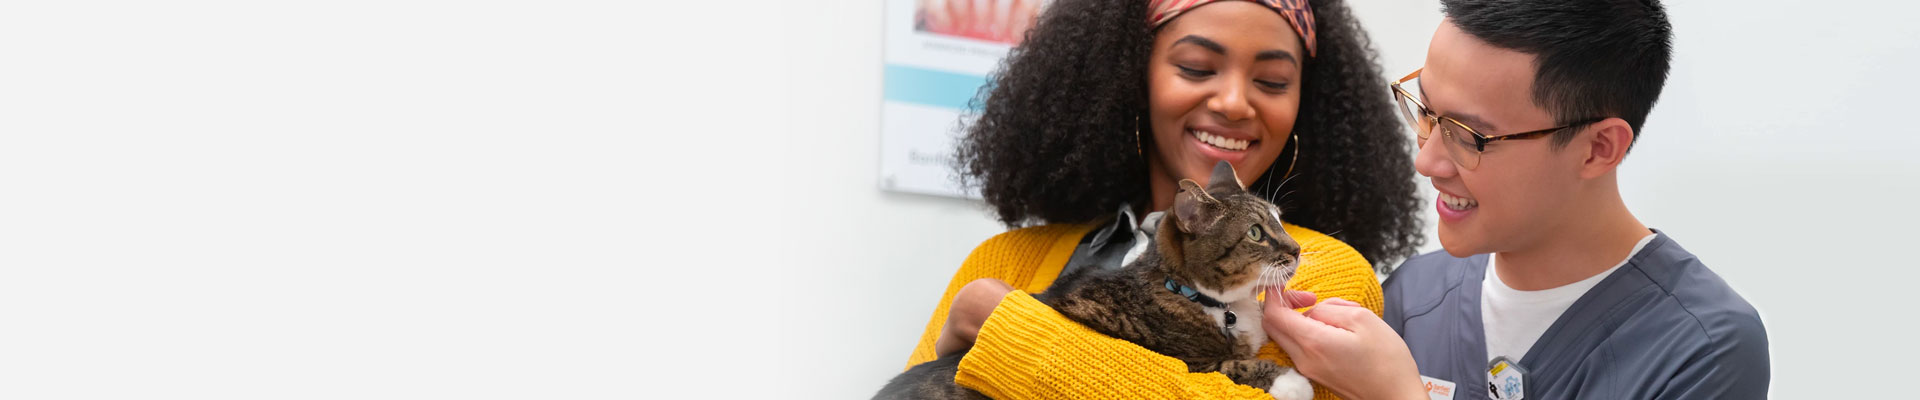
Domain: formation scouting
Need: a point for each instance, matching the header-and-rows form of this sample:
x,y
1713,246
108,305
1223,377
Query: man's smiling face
x,y
1515,193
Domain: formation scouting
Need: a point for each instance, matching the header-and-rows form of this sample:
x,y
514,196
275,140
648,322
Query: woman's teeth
x,y
1224,143
1457,203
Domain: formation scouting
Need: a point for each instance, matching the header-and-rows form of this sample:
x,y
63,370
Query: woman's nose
x,y
1231,102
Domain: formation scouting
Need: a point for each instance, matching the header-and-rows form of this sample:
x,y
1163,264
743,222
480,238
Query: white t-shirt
x,y
1514,319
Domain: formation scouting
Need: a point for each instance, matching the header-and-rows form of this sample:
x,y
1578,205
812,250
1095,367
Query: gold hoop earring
x,y
1136,137
1295,138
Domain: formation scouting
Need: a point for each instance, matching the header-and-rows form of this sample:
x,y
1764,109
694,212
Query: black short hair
x,y
1593,58
1053,138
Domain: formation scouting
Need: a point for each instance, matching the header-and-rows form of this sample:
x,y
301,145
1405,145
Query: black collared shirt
x,y
1115,243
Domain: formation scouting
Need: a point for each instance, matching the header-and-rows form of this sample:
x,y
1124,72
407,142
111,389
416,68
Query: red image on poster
x,y
999,21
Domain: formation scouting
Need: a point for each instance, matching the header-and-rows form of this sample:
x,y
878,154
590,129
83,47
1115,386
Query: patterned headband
x,y
1296,12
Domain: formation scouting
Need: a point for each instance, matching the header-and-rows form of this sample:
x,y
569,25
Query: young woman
x,y
1095,118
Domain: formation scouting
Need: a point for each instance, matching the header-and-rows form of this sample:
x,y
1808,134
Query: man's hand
x,y
971,307
1343,346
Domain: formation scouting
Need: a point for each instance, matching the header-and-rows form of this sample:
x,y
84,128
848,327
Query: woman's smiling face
x,y
1223,84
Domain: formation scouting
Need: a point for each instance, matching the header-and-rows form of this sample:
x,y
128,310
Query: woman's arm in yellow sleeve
x,y
1028,350
1016,257
969,272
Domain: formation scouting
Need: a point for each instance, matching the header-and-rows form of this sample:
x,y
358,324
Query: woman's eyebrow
x,y
1275,55
1197,40
1215,47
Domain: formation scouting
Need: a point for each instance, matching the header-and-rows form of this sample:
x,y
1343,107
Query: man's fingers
x,y
1284,322
1276,322
1341,314
1300,298
1344,302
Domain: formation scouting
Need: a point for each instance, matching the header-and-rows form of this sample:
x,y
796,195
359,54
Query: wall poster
x,y
938,54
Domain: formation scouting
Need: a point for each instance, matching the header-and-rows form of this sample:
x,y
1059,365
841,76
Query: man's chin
x,y
1457,244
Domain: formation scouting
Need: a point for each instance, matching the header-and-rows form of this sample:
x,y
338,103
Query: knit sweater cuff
x,y
1008,354
1028,350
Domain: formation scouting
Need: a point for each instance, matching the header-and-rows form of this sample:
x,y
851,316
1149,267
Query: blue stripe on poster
x,y
930,87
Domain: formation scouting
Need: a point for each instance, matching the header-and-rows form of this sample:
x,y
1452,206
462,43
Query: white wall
x,y
443,199
579,199
1782,154
889,255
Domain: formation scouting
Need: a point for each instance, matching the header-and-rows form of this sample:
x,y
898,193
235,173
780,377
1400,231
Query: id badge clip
x,y
1506,380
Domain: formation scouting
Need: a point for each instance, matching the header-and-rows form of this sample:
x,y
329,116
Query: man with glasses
x,y
1549,287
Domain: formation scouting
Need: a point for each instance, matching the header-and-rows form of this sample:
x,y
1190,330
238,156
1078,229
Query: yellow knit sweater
x,y
1027,350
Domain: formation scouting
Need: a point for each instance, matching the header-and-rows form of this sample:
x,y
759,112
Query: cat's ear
x,y
1193,209
1224,180
1189,188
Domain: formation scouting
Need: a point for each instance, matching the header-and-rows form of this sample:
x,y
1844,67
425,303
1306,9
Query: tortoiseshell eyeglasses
x,y
1466,143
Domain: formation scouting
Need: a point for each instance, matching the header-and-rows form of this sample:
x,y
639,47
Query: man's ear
x,y
1608,146
1224,180
1193,209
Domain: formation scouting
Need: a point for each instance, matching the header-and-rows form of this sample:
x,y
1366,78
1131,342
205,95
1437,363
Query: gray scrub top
x,y
1661,327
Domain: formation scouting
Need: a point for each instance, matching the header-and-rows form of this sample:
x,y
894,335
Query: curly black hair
x,y
1055,140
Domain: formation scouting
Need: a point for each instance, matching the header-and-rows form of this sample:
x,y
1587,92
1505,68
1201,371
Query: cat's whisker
x,y
1271,274
1283,182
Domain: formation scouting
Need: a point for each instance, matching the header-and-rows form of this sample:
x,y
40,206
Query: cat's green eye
x,y
1254,233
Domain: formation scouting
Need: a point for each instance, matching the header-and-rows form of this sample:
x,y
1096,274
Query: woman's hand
x,y
971,307
1343,346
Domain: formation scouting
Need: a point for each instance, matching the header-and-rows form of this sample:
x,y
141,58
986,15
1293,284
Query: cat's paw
x,y
1291,386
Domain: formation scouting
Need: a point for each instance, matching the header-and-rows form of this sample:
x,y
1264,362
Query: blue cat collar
x,y
1205,301
1194,295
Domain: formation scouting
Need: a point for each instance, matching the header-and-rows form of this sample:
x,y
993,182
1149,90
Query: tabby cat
x,y
1190,296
